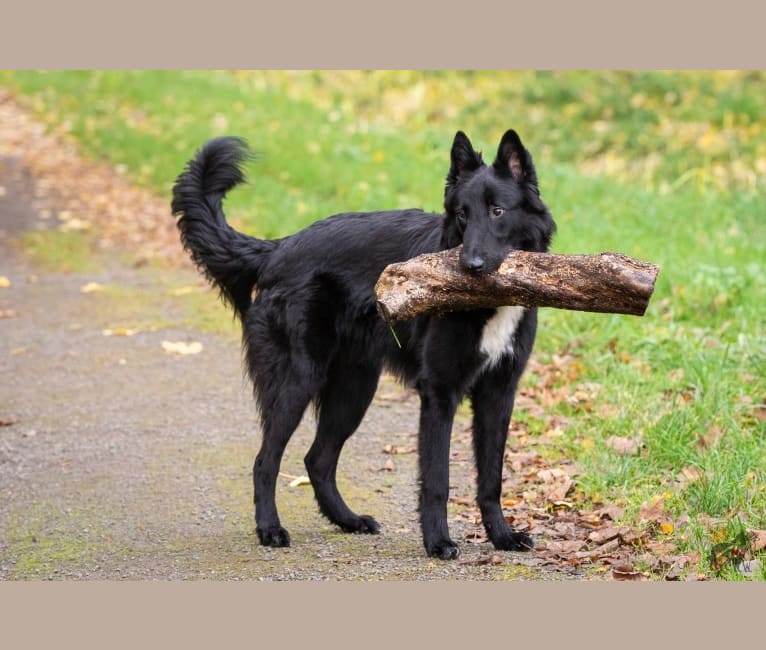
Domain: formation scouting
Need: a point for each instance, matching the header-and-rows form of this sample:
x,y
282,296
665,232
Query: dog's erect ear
x,y
463,158
512,157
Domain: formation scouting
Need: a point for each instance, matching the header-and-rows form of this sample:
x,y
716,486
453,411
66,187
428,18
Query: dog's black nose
x,y
474,264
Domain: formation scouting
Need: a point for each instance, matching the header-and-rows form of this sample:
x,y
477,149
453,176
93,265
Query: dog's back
x,y
354,246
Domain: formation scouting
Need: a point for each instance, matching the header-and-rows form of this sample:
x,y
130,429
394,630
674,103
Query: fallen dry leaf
x,y
652,512
671,566
121,331
476,536
611,511
637,538
589,519
560,491
180,347
91,287
566,547
661,548
606,534
677,374
518,461
626,572
682,521
689,475
4,282
599,551
551,475
706,440
520,525
624,446
560,504
608,547
75,224
388,466
399,449
7,313
565,529
696,577
676,568
757,540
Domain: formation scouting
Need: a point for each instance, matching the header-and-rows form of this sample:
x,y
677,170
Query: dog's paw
x,y
363,524
444,550
275,536
511,541
368,525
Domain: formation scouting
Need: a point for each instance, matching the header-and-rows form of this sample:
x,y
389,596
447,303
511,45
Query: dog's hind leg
x,y
281,416
342,405
492,398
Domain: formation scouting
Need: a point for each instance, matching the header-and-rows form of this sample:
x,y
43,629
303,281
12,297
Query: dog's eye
x,y
496,211
461,218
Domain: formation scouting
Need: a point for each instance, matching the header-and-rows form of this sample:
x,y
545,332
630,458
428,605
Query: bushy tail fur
x,y
229,259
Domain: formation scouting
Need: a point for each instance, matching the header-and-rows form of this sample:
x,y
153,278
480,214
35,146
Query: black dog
x,y
313,334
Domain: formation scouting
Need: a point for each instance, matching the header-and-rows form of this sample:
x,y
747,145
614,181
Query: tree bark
x,y
435,282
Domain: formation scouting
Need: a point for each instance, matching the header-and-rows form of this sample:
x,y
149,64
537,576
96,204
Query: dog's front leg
x,y
492,399
437,411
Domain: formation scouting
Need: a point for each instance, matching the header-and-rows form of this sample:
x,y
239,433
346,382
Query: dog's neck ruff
x,y
497,336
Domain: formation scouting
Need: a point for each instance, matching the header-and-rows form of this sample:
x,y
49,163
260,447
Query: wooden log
x,y
435,282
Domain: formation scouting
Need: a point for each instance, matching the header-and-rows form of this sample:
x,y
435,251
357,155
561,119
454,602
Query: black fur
x,y
313,334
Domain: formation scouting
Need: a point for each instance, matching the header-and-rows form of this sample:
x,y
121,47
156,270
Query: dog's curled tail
x,y
229,259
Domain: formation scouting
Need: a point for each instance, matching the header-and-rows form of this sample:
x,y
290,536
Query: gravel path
x,y
121,461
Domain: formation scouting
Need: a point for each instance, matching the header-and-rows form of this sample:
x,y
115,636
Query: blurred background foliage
x,y
335,140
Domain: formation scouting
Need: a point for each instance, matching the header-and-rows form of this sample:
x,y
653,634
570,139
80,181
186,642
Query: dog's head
x,y
493,210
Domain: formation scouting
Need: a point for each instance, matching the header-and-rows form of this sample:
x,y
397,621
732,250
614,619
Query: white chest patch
x,y
497,336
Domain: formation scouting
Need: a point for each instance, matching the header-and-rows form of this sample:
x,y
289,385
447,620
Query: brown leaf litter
x,y
540,498
87,195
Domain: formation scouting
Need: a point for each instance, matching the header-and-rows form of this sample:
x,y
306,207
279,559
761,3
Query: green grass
x,y
161,305
667,167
